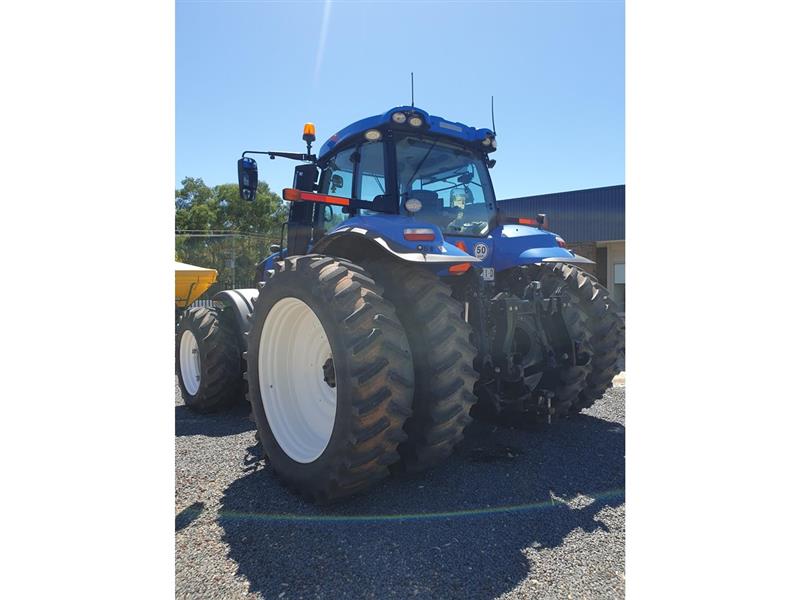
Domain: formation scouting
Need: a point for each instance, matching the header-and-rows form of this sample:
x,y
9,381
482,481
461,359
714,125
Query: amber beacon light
x,y
309,132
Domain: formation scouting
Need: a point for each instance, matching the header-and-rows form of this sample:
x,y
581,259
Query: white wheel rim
x,y
300,405
190,362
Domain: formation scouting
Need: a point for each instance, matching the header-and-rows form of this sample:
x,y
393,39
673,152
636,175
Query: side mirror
x,y
248,178
336,182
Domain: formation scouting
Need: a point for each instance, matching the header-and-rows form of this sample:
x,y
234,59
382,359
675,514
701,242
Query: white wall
x,y
616,256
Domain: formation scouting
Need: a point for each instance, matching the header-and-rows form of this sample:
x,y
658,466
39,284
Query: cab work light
x,y
419,235
294,195
413,205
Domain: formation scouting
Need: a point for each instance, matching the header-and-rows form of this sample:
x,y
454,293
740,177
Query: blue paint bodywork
x,y
509,246
433,125
506,246
522,245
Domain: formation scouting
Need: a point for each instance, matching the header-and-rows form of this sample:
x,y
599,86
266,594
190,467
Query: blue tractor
x,y
400,302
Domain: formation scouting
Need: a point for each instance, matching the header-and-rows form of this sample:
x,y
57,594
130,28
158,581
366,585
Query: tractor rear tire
x,y
607,331
443,361
567,382
330,377
207,359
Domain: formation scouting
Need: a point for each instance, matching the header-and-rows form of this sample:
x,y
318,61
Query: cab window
x,y
370,179
337,180
453,181
337,176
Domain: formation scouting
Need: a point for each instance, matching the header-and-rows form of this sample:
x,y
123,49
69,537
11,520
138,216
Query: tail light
x,y
539,220
419,235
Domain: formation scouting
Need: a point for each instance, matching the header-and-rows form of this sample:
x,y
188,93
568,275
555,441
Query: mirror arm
x,y
290,155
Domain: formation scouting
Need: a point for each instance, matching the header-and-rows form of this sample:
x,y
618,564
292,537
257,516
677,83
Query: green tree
x,y
193,191
199,207
247,228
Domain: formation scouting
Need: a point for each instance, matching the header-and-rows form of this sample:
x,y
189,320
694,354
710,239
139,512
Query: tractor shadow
x,y
234,421
458,531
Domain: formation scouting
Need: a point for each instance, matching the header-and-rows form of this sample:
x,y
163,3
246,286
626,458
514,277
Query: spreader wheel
x,y
207,359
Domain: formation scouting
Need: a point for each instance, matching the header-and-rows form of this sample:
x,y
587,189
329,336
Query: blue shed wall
x,y
596,214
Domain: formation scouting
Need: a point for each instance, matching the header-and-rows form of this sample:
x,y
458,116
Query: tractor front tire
x,y
330,377
443,361
207,359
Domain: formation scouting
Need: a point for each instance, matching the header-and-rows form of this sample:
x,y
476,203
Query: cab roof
x,y
431,125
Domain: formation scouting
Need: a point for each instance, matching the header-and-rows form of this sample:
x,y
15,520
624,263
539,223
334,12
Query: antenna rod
x,y
494,131
412,89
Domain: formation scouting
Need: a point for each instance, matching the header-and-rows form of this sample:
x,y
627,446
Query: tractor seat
x,y
432,207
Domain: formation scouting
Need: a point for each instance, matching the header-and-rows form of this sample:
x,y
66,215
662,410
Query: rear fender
x,y
517,245
551,255
375,234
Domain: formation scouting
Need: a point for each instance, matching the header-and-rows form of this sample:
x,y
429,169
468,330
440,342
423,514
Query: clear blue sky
x,y
250,73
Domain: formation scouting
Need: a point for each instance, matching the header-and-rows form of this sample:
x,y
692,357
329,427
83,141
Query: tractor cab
x,y
411,163
404,162
430,175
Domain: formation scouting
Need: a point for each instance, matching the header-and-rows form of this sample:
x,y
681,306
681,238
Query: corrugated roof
x,y
593,215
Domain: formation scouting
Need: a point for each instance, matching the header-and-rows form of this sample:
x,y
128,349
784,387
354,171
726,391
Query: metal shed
x,y
592,215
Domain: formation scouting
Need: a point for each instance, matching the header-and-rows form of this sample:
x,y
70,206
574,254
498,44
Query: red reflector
x,y
419,235
527,222
293,195
461,246
459,268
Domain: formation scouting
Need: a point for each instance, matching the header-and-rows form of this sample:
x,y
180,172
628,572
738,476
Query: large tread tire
x,y
607,331
214,330
443,361
568,382
374,376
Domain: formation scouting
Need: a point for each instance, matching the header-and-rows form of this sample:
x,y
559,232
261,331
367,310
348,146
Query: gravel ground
x,y
536,513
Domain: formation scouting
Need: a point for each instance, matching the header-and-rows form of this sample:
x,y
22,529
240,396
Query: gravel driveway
x,y
513,514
